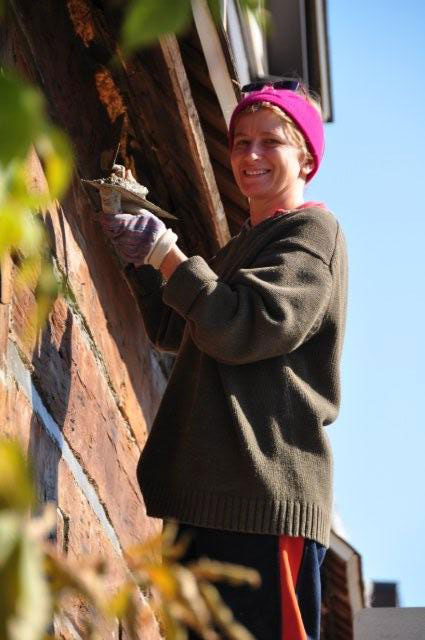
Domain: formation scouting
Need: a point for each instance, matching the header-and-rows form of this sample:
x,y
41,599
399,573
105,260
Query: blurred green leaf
x,y
20,230
146,20
22,124
215,8
87,581
33,604
21,117
171,627
259,10
164,579
40,527
122,606
37,273
47,284
10,229
55,151
29,272
191,597
9,573
213,571
46,292
254,5
14,192
118,605
16,487
147,552
10,525
32,233
24,595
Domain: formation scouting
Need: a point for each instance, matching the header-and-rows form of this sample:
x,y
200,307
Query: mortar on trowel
x,y
130,195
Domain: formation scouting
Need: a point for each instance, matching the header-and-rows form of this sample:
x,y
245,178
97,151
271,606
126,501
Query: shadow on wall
x,y
51,384
124,320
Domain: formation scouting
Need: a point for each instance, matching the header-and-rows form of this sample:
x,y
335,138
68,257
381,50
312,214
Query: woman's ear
x,y
306,164
306,169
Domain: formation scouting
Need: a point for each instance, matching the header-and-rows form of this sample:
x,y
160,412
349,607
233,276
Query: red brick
x,y
105,301
86,537
77,395
16,415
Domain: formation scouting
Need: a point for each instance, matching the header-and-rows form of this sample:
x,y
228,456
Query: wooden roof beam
x,y
191,129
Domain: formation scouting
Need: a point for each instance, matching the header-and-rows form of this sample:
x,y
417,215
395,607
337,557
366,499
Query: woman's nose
x,y
254,151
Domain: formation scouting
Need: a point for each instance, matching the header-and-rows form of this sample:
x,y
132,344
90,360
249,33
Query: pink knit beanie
x,y
298,109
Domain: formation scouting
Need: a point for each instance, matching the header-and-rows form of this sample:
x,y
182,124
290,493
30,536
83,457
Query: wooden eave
x,y
213,122
343,589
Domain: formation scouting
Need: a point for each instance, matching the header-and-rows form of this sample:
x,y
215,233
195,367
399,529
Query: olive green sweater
x,y
239,441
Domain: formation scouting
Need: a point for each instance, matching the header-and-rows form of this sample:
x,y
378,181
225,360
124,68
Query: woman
x,y
238,452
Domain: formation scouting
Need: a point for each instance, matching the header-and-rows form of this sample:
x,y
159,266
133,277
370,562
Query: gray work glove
x,y
138,239
134,237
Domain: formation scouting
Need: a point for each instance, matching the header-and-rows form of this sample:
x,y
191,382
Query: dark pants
x,y
264,611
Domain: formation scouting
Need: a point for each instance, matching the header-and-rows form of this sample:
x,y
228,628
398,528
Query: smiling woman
x,y
268,167
238,452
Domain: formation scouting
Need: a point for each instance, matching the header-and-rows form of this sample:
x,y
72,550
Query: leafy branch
x,y
23,124
35,581
146,20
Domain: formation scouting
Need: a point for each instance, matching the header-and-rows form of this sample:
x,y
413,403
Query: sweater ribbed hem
x,y
243,515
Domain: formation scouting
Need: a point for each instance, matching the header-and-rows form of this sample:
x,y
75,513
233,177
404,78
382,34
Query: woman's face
x,y
265,163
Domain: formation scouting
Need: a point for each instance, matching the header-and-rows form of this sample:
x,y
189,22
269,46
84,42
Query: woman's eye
x,y
241,143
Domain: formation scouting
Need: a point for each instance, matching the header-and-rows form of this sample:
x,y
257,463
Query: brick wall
x,y
82,395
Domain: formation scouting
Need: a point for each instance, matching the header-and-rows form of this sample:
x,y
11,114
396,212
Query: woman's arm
x,y
172,260
163,324
267,309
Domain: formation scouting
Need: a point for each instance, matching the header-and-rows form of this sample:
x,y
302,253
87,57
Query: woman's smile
x,y
255,172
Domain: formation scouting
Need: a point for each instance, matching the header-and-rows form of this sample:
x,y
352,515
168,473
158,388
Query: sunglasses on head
x,y
288,83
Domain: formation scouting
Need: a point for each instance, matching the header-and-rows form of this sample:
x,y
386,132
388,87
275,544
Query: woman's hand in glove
x,y
138,239
134,237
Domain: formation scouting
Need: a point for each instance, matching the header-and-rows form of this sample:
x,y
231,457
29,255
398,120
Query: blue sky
x,y
372,179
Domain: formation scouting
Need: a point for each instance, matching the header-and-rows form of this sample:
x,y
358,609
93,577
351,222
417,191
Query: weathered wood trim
x,y
195,137
354,579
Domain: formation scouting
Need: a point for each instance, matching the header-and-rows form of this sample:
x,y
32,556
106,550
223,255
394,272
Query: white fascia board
x,y
259,49
234,32
214,57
